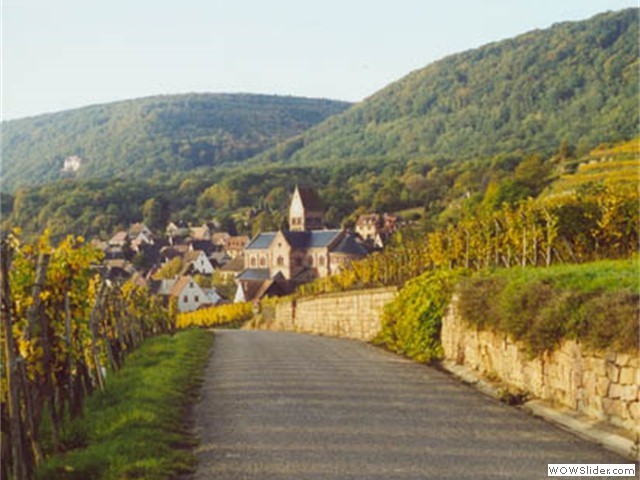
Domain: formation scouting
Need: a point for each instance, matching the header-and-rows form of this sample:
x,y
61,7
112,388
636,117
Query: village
x,y
201,266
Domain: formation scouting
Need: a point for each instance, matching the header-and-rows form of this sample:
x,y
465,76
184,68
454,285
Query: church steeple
x,y
305,212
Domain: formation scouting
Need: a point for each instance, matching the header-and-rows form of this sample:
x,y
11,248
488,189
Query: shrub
x,y
412,322
477,299
610,321
596,304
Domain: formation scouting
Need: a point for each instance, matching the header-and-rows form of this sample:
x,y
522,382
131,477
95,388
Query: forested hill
x,y
140,138
575,81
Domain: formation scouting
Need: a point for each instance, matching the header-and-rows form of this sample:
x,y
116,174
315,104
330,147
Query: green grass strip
x,y
137,428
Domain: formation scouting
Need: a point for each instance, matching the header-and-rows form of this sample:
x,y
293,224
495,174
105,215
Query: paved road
x,y
292,406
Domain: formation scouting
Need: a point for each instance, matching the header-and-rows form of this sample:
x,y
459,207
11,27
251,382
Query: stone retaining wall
x,y
602,385
356,314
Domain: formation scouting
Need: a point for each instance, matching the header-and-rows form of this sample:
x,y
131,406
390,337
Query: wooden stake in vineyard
x,y
21,464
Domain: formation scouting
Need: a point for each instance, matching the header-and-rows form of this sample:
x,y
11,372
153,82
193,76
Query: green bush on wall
x,y
595,303
411,324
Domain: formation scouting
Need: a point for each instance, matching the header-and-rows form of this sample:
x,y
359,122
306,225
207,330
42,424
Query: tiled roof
x,y
137,228
235,265
120,236
191,256
179,285
350,246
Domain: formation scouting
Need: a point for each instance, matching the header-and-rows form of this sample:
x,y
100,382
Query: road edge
x,y
570,421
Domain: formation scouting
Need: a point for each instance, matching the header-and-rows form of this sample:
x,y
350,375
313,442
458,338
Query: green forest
x,y
575,81
144,138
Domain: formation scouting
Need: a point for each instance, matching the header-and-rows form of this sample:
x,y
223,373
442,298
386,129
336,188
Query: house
x,y
232,268
72,164
375,229
189,294
235,245
220,239
196,261
201,233
140,230
367,226
119,239
179,228
390,222
141,241
285,259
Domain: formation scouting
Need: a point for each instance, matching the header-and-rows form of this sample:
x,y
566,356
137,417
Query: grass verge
x,y
137,427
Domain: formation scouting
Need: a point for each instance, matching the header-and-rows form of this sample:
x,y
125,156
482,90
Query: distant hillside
x,y
465,136
143,137
574,81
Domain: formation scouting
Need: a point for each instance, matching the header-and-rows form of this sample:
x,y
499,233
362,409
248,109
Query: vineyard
x,y
592,223
228,315
63,328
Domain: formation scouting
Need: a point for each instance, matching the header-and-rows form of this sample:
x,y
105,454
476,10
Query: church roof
x,y
310,199
307,239
261,241
312,238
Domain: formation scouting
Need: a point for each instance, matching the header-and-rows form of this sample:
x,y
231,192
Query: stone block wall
x,y
602,385
356,314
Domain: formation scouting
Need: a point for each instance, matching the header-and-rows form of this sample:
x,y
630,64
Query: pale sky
x,y
61,54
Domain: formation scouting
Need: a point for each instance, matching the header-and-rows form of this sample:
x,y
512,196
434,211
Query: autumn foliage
x,y
592,223
232,313
63,328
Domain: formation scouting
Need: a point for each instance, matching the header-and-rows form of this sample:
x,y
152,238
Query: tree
x,y
155,213
532,175
170,270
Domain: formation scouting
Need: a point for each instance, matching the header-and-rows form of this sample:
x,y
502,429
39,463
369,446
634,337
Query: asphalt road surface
x,y
291,406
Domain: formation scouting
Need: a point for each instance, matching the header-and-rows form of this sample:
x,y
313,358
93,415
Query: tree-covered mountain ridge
x,y
575,81
144,137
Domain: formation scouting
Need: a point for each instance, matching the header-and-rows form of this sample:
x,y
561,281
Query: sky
x,y
64,54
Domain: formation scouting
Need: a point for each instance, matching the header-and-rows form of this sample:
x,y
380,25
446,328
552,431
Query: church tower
x,y
305,212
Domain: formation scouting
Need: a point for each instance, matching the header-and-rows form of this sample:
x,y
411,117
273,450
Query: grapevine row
x,y
63,327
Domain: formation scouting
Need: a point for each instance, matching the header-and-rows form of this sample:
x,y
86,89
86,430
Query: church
x,y
277,262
